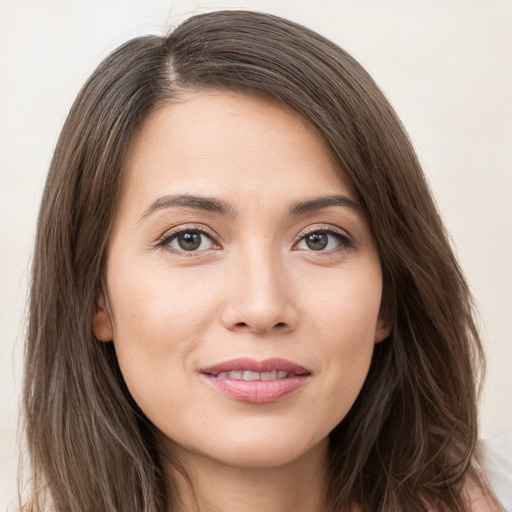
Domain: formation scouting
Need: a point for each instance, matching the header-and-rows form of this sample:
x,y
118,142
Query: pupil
x,y
189,241
317,241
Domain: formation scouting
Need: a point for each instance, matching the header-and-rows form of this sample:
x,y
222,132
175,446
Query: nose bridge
x,y
261,298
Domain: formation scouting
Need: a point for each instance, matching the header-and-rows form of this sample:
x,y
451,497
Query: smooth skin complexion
x,y
237,243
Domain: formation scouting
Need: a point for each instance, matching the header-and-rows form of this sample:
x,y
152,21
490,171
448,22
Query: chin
x,y
253,450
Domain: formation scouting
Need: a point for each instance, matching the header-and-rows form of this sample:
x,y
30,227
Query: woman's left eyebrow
x,y
320,203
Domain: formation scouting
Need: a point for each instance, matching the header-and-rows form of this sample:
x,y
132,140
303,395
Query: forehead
x,y
229,145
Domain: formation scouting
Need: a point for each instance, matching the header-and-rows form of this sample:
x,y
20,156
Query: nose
x,y
261,298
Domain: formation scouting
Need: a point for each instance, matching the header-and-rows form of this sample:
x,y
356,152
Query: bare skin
x,y
298,486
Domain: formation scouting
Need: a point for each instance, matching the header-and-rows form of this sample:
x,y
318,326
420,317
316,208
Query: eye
x,y
188,240
323,240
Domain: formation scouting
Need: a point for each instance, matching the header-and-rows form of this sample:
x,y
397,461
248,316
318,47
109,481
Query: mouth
x,y
249,375
254,381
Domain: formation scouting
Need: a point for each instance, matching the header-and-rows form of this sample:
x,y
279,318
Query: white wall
x,y
446,66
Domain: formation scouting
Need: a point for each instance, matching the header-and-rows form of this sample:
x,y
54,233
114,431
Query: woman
x,y
243,297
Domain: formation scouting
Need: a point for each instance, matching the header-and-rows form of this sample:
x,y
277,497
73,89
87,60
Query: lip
x,y
256,391
246,363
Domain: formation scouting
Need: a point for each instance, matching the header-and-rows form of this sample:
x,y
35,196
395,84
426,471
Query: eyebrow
x,y
320,203
213,205
205,204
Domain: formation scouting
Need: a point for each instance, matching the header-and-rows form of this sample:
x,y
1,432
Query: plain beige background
x,y
446,66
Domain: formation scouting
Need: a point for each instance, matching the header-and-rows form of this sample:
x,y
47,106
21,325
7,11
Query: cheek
x,y
344,325
160,305
160,319
346,307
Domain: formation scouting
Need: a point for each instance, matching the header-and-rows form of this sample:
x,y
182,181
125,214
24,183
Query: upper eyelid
x,y
326,228
168,234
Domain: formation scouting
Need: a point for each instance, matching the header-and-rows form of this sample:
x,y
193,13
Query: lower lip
x,y
257,391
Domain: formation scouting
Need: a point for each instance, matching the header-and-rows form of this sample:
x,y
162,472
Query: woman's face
x,y
243,283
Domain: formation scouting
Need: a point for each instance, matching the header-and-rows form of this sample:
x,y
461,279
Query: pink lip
x,y
257,391
268,365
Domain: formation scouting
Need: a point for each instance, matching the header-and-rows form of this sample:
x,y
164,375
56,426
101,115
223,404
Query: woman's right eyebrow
x,y
207,204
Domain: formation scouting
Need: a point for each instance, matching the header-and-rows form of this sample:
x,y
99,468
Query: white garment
x,y
495,458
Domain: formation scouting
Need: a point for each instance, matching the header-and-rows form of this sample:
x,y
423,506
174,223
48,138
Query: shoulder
x,y
494,457
488,485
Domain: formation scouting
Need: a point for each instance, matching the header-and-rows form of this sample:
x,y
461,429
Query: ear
x,y
102,324
383,329
385,320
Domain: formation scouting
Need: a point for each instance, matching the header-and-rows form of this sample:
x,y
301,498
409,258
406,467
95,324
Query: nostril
x,y
244,325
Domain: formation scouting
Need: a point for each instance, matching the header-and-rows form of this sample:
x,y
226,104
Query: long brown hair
x,y
408,439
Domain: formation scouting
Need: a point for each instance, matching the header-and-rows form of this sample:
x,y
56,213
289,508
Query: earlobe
x,y
102,324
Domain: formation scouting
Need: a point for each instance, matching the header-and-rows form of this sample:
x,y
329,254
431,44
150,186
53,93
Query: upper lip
x,y
246,363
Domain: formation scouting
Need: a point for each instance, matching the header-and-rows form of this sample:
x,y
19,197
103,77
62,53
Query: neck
x,y
211,486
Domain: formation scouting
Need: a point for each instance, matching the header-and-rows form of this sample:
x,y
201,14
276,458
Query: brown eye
x,y
189,241
323,241
316,241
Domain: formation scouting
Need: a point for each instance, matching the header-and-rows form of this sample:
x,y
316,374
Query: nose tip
x,y
260,299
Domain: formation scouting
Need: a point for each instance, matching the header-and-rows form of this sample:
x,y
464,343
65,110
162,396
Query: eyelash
x,y
165,241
